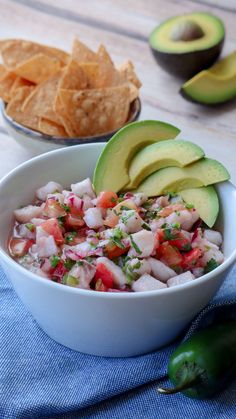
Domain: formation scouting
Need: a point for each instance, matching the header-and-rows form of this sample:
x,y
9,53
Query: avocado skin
x,y
187,64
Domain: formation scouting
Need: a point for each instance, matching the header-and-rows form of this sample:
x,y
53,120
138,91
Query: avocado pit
x,y
186,31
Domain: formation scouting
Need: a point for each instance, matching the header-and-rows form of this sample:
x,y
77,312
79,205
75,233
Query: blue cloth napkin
x,y
42,379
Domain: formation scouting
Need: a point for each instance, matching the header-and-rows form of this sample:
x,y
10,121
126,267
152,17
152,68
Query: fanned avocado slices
x,y
173,179
159,155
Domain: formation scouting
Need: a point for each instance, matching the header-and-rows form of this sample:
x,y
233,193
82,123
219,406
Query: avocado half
x,y
215,85
184,45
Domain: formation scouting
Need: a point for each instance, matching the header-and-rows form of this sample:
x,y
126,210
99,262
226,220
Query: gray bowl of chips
x,y
54,99
38,143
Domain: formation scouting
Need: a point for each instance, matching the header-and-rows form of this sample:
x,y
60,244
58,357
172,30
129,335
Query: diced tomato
x,y
190,259
177,239
160,236
113,251
111,220
74,221
169,255
107,199
52,227
105,275
53,209
59,272
19,247
181,243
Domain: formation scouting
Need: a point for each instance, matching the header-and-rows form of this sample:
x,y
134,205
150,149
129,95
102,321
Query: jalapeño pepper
x,y
202,365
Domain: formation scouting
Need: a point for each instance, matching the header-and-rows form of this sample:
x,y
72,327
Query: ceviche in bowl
x,y
84,263
112,242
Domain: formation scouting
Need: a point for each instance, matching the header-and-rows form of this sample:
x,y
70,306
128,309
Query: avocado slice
x,y
184,45
159,155
205,200
111,171
173,179
215,85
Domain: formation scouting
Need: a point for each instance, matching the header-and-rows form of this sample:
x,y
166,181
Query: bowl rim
x,y
135,109
101,294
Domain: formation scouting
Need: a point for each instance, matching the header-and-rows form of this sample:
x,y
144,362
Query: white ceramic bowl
x,y
107,324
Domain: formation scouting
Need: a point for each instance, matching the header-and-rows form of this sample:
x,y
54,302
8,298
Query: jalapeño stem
x,y
184,386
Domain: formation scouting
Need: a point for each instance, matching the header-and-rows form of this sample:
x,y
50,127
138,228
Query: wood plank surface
x,y
124,26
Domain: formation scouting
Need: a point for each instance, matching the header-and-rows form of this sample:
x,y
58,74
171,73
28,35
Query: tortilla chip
x,y
51,128
3,72
91,71
133,91
13,109
91,112
81,53
127,71
6,83
108,74
41,101
73,77
18,83
17,51
38,68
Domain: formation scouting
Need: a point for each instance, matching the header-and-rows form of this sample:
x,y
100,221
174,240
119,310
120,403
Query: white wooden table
x,y
124,26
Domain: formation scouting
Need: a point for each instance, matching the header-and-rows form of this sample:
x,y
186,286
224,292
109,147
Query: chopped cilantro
x,y
31,227
54,260
176,225
147,204
177,213
65,207
211,265
70,237
146,226
117,236
168,234
189,206
79,263
124,208
113,199
117,242
171,194
186,247
69,264
137,265
129,278
135,246
151,215
129,213
89,259
61,221
164,225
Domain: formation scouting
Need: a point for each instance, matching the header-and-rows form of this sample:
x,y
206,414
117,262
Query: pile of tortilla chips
x,y
65,95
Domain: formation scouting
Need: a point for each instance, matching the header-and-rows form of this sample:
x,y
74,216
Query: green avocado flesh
x,y
205,200
159,155
111,172
173,179
215,85
186,33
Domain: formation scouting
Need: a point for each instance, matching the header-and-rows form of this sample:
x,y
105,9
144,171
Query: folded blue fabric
x,y
42,379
